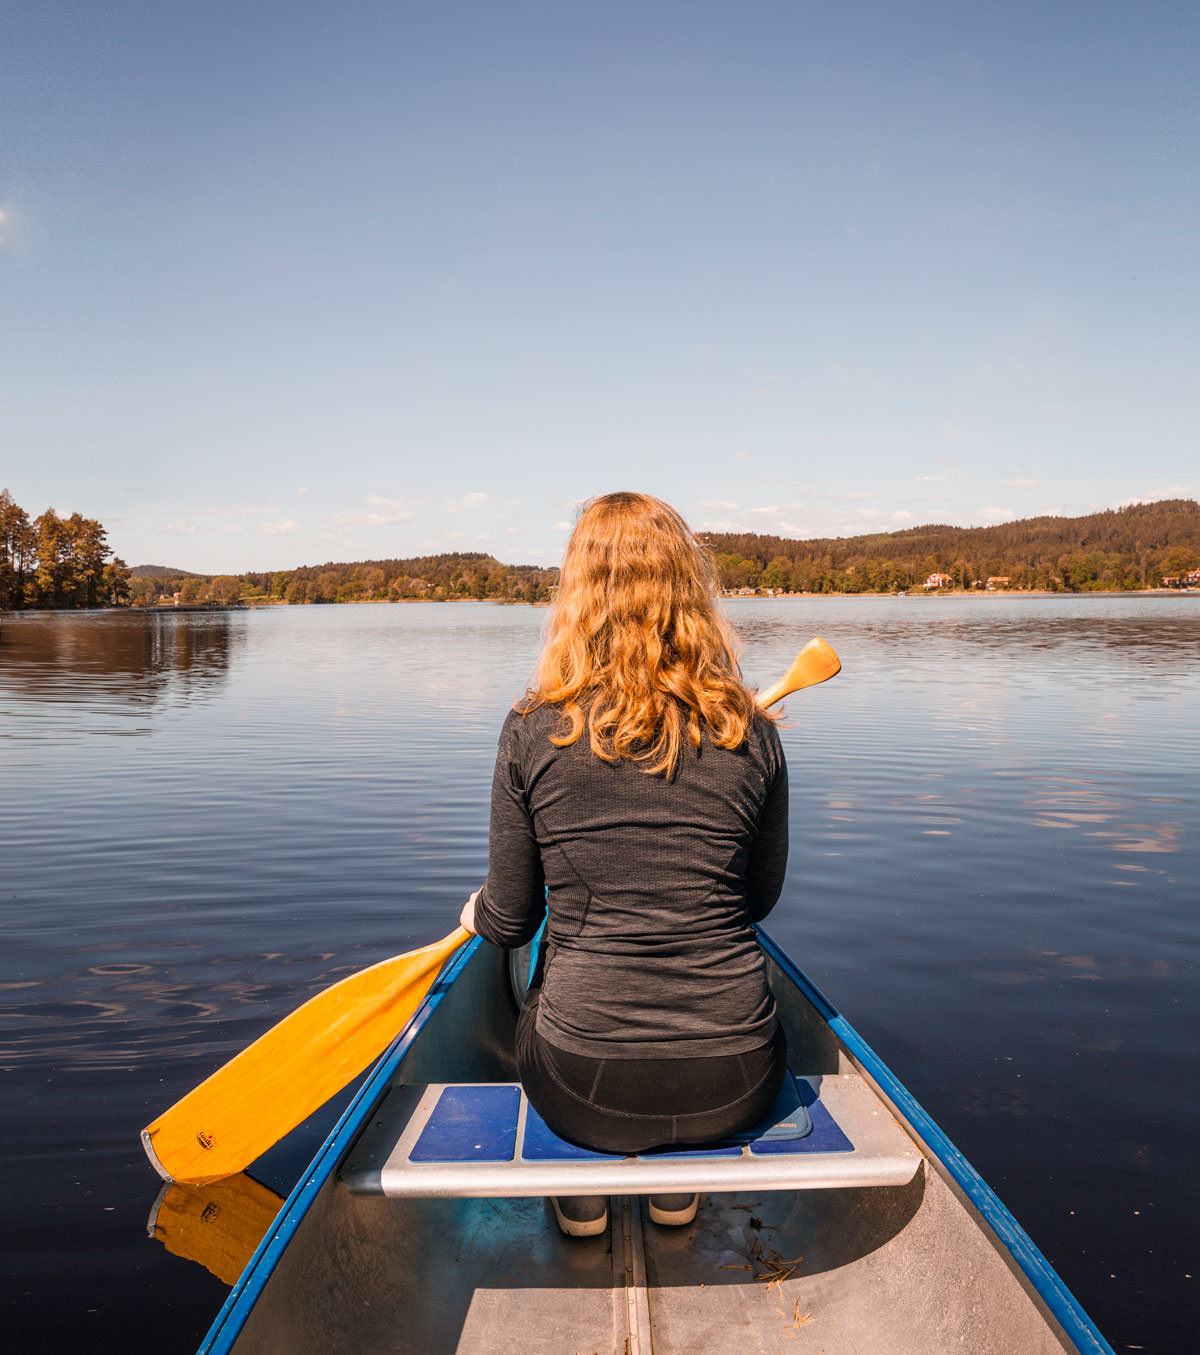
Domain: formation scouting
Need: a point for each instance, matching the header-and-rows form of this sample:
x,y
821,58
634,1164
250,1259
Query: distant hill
x,y
162,572
1121,548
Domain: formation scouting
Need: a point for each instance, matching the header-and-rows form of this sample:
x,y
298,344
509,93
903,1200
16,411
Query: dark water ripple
x,y
209,817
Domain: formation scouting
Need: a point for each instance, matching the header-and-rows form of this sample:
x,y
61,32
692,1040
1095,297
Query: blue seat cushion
x,y
472,1122
478,1123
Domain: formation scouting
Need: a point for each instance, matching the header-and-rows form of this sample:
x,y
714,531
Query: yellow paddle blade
x,y
815,663
235,1115
218,1225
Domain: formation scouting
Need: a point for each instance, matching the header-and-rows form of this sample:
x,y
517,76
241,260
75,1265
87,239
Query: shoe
x,y
673,1210
581,1215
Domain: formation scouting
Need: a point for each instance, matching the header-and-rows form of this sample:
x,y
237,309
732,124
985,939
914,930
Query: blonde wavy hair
x,y
636,649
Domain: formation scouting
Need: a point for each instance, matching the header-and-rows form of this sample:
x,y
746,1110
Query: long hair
x,y
636,649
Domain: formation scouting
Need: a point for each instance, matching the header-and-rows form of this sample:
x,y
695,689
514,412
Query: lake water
x,y
208,817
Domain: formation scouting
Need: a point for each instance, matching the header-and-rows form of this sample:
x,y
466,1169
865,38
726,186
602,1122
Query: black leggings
x,y
631,1105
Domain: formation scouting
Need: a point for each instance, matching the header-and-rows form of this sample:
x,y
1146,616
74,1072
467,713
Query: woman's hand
x,y
467,917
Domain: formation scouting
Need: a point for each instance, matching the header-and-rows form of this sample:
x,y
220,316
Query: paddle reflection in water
x,y
217,1225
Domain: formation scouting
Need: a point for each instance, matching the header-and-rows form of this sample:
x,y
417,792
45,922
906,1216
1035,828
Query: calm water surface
x,y
206,818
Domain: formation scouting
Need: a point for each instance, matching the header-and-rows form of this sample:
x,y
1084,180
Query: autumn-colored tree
x,y
115,587
1177,561
17,552
225,588
53,561
778,574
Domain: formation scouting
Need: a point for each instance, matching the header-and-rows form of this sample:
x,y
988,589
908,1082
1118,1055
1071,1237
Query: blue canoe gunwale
x,y
1010,1241
1011,1238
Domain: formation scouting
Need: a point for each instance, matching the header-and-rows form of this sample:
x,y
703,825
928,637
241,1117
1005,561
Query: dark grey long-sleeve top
x,y
651,887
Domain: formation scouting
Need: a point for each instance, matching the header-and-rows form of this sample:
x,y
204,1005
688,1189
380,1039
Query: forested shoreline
x,y
1116,550
429,578
56,562
1120,549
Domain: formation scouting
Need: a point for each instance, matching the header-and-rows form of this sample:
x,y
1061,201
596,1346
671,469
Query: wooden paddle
x,y
815,663
261,1094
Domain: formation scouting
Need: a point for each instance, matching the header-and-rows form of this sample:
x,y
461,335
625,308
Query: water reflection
x,y
116,1016
1081,803
993,871
114,663
992,648
218,1226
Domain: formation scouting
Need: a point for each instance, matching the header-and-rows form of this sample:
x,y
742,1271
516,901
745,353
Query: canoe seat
x,y
484,1139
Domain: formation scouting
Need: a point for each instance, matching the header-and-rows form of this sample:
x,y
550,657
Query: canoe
x,y
849,1223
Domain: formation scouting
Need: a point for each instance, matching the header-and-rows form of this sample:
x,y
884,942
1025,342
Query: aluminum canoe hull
x,y
937,1265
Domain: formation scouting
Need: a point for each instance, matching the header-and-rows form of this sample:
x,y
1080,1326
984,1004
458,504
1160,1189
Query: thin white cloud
x,y
1157,495
770,519
243,510
997,514
379,512
467,502
1022,482
301,491
562,527
718,506
284,527
176,529
829,513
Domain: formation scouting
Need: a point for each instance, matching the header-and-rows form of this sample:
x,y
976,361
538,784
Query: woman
x,y
640,797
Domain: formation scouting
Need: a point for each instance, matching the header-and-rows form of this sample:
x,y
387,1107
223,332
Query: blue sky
x,y
289,283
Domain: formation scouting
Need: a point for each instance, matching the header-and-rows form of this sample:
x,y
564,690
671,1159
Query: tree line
x,y
55,561
431,578
1124,548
